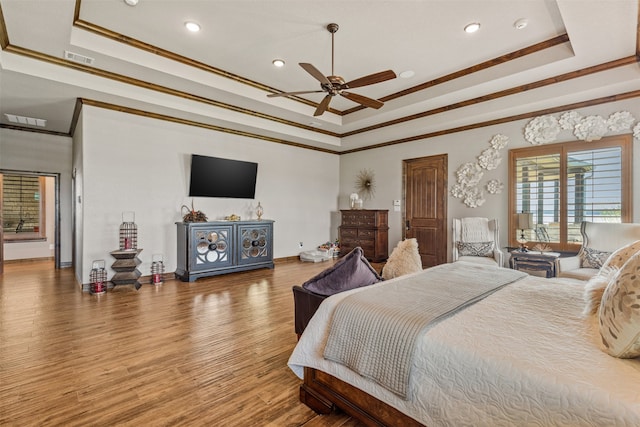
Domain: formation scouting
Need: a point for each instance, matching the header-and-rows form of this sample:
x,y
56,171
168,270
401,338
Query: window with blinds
x,y
562,185
538,193
22,206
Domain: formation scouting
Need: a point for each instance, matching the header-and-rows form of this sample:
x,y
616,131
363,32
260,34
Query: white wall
x,y
35,152
133,163
78,205
461,147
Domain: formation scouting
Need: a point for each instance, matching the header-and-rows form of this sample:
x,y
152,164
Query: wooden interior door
x,y
425,192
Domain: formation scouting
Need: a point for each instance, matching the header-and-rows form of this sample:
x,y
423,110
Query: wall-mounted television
x,y
216,177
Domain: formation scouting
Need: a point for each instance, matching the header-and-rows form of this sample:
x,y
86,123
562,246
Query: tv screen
x,y
216,177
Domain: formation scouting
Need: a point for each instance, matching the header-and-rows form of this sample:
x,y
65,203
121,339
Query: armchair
x,y
477,240
599,240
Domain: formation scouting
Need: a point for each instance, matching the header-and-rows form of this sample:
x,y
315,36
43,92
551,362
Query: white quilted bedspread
x,y
524,356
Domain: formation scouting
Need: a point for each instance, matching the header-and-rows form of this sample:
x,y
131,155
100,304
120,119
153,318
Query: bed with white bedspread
x,y
524,355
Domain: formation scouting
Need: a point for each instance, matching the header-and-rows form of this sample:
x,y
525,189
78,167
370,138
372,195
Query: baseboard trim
x,y
286,259
21,260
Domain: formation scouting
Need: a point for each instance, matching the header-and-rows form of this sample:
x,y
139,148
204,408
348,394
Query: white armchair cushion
x,y
619,313
478,260
570,267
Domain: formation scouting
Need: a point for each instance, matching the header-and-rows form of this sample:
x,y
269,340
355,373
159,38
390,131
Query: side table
x,y
535,263
126,267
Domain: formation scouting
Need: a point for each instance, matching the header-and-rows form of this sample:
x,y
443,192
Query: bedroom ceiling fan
x,y
335,85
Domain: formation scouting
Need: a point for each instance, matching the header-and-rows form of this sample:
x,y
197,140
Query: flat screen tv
x,y
216,177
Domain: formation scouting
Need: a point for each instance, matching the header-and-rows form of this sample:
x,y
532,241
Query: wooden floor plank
x,y
211,352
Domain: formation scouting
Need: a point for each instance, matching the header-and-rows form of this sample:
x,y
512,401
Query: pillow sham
x,y
350,272
593,258
619,315
595,287
621,255
475,249
404,259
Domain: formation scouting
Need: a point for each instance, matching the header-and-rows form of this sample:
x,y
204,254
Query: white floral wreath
x,y
470,174
545,129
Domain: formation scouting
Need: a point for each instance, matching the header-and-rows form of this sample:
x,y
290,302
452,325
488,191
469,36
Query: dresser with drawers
x,y
367,228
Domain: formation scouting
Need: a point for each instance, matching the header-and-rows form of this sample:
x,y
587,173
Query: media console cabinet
x,y
220,247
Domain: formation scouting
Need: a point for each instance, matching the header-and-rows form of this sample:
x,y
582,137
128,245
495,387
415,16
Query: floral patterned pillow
x,y
475,249
593,258
619,313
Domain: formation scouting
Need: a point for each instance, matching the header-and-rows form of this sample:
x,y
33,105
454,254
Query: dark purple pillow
x,y
350,272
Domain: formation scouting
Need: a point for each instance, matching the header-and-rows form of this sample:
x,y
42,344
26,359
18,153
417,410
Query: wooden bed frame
x,y
325,393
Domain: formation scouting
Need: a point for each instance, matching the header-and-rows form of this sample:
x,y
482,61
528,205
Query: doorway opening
x,y
29,217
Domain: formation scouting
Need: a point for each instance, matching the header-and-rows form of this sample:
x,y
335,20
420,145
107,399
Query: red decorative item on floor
x,y
98,277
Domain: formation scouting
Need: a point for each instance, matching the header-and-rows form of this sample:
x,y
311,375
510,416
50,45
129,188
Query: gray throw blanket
x,y
374,332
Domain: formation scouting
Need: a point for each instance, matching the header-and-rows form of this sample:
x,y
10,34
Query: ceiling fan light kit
x,y
335,85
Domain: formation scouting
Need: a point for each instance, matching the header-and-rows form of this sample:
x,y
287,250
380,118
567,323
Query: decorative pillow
x,y
475,249
404,259
350,272
620,256
620,312
595,287
593,258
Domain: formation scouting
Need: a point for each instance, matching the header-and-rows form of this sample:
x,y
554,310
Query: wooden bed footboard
x,y
324,393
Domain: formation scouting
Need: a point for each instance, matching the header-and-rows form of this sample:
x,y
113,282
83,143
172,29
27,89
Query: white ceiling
x,y
221,75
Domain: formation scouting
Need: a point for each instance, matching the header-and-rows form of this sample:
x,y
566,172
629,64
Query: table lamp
x,y
525,222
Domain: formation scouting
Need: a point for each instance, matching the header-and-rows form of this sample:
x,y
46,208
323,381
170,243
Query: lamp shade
x,y
525,221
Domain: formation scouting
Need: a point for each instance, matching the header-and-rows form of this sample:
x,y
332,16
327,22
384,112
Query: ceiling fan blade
x,y
315,73
370,79
272,95
323,106
363,100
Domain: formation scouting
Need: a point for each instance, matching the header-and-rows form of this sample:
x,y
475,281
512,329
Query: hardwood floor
x,y
212,352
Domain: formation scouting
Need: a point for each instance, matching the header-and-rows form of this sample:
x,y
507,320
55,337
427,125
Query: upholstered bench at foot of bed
x,y
351,271
305,305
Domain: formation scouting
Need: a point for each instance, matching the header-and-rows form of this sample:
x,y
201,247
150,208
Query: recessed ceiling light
x,y
407,74
520,24
472,28
131,2
278,63
192,26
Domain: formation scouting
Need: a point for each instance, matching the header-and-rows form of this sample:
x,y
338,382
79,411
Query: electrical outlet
x,y
300,245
